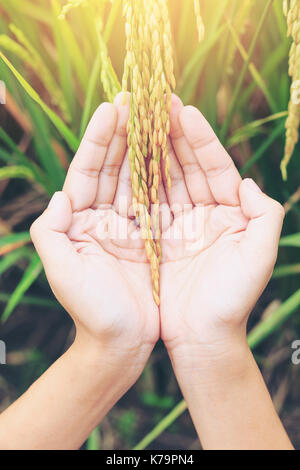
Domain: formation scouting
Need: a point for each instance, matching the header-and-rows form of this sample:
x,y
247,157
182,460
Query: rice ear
x,y
292,11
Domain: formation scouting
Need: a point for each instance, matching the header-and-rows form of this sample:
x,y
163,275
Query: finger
x,y
264,229
123,196
222,176
162,194
48,234
196,181
110,170
177,195
166,216
82,179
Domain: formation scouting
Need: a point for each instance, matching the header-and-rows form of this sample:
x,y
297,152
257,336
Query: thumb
x,y
264,229
49,236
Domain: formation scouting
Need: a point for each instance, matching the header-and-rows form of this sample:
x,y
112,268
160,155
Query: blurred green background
x,y
238,78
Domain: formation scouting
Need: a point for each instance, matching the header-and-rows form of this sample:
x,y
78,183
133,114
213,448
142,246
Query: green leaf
x,y
15,238
253,70
89,106
12,258
238,87
154,400
93,442
30,275
66,133
252,129
18,157
10,172
260,152
32,300
291,241
286,270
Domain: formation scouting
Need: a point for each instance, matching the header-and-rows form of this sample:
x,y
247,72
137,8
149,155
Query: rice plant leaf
x,y
12,258
41,69
116,6
279,129
268,71
17,157
13,241
291,241
66,133
64,63
286,270
13,46
89,106
238,87
93,442
191,72
42,141
253,128
253,70
30,275
32,300
110,82
37,13
10,172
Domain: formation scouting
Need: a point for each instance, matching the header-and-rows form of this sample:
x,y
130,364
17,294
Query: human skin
x,y
208,292
104,285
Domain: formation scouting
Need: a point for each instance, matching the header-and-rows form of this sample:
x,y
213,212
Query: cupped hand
x,y
220,238
101,277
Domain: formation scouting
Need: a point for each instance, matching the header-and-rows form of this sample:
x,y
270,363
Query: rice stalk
x,y
292,11
239,24
150,68
109,78
200,24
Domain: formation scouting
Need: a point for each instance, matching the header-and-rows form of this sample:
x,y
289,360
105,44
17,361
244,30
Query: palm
x,y
109,284
207,274
111,278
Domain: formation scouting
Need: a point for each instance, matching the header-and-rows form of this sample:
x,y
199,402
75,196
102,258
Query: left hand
x,y
104,283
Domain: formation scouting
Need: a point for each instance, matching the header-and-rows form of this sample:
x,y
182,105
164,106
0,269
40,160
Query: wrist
x,y
108,359
228,353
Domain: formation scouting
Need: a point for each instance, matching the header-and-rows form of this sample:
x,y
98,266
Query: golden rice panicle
x,y
69,6
156,95
200,24
292,11
135,139
170,85
149,67
137,64
127,12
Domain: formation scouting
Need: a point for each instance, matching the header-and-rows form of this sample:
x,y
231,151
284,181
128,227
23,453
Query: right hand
x,y
208,292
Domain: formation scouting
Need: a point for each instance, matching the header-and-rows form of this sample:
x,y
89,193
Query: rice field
x,y
238,62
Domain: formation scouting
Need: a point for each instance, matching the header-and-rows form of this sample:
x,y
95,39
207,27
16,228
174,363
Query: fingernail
x,y
252,185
